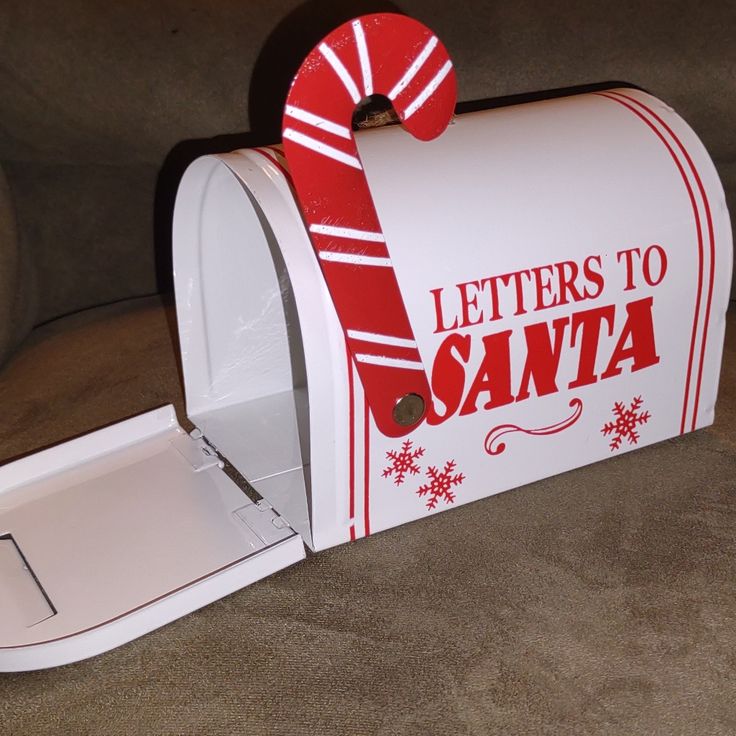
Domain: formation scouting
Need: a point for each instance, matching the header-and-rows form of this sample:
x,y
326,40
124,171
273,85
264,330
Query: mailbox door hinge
x,y
197,451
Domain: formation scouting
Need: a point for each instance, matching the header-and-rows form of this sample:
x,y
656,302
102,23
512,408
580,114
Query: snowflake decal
x,y
626,422
440,483
403,462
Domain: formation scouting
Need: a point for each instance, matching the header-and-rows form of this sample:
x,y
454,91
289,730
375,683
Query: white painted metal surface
x,y
591,231
111,535
243,259
578,219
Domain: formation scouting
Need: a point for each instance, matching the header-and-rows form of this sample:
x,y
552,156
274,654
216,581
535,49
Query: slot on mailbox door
x,y
23,601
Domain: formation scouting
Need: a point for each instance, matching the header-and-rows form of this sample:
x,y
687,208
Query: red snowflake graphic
x,y
402,462
627,420
440,483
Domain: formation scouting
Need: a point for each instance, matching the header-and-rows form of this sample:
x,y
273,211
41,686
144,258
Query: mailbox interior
x,y
241,341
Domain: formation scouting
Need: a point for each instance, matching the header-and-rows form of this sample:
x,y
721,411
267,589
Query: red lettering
x,y
639,329
567,281
629,256
590,323
437,294
493,376
542,287
594,277
542,359
466,302
646,265
448,376
544,343
493,288
518,286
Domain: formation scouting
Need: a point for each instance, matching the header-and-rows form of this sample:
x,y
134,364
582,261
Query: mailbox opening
x,y
241,344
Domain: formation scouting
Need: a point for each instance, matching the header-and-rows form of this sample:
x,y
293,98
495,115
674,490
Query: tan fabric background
x,y
96,99
596,603
17,278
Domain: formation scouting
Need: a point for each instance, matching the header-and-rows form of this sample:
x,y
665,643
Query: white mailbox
x,y
375,328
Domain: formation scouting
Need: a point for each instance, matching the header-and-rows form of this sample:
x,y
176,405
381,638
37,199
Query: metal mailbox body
x,y
565,266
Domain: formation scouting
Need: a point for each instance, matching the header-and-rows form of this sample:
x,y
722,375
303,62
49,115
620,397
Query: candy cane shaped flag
x,y
400,58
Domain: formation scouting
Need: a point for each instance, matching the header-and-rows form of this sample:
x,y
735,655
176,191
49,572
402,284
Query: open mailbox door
x,y
111,535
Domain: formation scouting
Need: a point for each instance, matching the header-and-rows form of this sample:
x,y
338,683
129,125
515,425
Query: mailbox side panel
x,y
566,267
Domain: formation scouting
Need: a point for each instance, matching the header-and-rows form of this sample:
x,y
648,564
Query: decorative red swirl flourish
x,y
497,432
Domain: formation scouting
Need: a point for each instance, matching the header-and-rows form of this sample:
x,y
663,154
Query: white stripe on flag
x,y
365,62
357,260
323,148
414,67
414,365
318,122
341,72
398,342
428,91
348,232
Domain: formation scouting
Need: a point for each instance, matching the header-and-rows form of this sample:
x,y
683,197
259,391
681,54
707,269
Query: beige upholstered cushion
x,y
95,95
16,290
596,603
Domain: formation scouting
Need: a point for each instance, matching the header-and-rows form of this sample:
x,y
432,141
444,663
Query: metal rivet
x,y
408,410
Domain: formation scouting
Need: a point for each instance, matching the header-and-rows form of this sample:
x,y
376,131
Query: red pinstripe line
x,y
279,153
700,243
711,245
367,468
352,442
275,162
